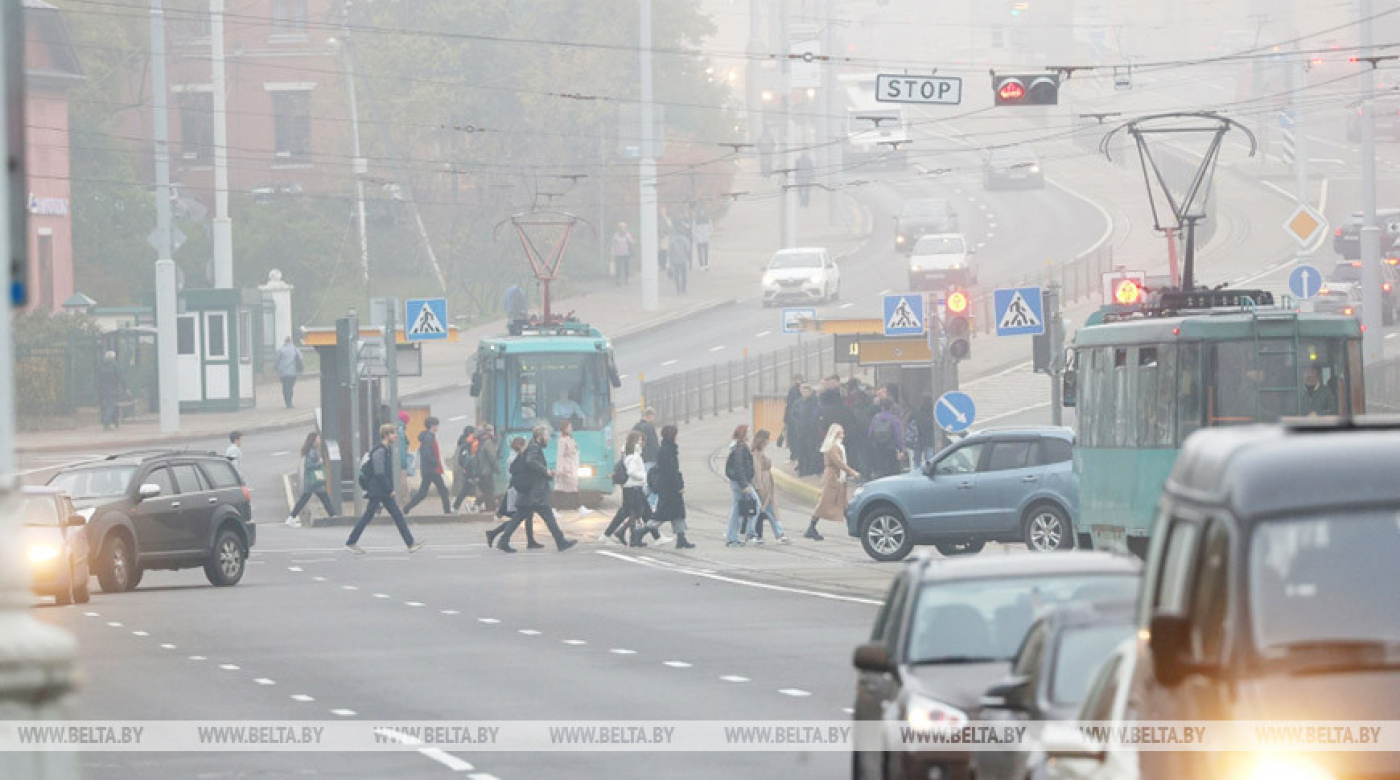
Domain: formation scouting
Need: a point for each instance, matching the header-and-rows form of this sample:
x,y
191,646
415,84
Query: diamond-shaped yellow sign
x,y
1305,225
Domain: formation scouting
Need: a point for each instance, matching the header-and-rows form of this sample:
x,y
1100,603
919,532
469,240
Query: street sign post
x,y
1019,311
955,411
1305,282
792,319
904,314
425,319
905,88
1305,225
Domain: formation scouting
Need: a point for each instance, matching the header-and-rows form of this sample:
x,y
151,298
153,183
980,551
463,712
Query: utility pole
x,y
1055,330
36,659
359,165
831,102
752,89
647,174
1300,141
223,227
1372,341
168,378
789,196
933,318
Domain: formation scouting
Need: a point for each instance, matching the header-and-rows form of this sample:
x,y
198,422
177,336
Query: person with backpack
x,y
835,497
667,482
739,470
377,479
566,469
886,441
313,479
510,502
464,468
430,463
631,474
487,466
533,498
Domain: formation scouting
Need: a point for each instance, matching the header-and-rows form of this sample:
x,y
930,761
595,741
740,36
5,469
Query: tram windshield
x,y
552,388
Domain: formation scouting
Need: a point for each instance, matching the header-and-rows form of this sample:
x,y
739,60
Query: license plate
x,y
1109,534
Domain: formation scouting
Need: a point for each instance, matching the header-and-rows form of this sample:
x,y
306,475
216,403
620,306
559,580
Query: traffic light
x,y
1127,292
1034,89
956,327
1124,288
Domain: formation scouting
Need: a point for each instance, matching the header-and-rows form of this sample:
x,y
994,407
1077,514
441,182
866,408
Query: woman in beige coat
x,y
834,496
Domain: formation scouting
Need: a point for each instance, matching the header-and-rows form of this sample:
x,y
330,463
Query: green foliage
x,y
54,355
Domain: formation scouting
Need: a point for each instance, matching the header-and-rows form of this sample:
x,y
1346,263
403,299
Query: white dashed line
x,y
458,418
846,305
848,710
734,678
92,614
344,713
622,651
319,579
575,642
670,362
716,349
382,596
302,697
139,633
1391,335
883,292
167,646
991,225
488,621
447,759
482,776
229,667
794,692
198,658
981,244
449,612
529,632
763,334
413,603
348,587
678,664
265,681
294,568
113,624
280,453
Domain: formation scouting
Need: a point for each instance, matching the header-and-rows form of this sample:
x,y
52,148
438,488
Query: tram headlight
x,y
587,472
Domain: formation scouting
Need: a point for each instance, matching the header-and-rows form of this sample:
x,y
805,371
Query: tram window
x,y
1086,408
1188,397
552,388
1325,393
1235,380
1106,396
1353,375
1149,405
1124,408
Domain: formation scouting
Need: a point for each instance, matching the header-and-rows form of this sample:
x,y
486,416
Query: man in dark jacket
x,y
430,466
380,493
533,489
651,444
809,456
790,433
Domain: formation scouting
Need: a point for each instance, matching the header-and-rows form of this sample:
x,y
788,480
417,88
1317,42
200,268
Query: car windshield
x,y
796,260
38,511
105,482
984,620
1078,657
1325,580
551,388
940,245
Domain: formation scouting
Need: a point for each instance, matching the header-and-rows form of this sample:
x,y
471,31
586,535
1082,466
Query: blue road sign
x,y
904,314
1305,282
425,319
1019,311
792,319
955,411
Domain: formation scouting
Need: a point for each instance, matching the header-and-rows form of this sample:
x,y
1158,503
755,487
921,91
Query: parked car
x,y
1070,754
1049,679
948,630
806,274
55,545
1349,272
1339,298
1006,485
1346,241
921,217
941,261
1271,592
1012,166
162,510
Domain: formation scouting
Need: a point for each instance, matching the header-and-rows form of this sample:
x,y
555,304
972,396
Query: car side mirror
x,y
1014,694
1069,388
930,469
872,657
76,520
1170,641
148,490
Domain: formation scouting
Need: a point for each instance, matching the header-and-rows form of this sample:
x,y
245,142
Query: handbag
x,y
318,476
748,507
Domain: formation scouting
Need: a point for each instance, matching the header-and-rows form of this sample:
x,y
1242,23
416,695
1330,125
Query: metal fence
x,y
723,387
1078,279
1383,387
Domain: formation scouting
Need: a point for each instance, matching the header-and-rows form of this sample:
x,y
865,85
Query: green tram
x,y
1144,378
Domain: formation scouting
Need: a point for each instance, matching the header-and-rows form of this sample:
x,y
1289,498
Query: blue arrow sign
x,y
1019,311
955,411
1305,282
425,319
904,314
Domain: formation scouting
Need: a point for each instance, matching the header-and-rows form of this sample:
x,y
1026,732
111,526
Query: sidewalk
x,y
743,240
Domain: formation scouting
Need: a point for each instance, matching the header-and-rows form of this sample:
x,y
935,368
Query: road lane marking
x,y
748,583
575,642
319,579
1391,335
763,333
167,646
458,418
229,667
449,612
734,678
848,710
114,624
92,614
344,713
280,453
883,292
302,697
670,362
796,693
622,651
528,632
198,658
447,759
265,681
678,664
413,603
294,568
716,349
489,621
382,596
139,633
846,305
348,587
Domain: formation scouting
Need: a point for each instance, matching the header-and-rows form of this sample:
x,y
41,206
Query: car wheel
x,y
117,570
1046,529
885,535
960,548
230,557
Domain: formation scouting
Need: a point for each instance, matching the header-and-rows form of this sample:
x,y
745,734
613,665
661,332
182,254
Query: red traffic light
x,y
957,302
1127,291
1011,91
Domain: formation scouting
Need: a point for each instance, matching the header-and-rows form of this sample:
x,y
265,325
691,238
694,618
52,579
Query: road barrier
x,y
723,387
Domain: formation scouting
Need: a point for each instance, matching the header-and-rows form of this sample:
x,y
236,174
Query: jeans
x,y
633,509
429,480
320,492
392,506
771,511
288,382
735,520
525,512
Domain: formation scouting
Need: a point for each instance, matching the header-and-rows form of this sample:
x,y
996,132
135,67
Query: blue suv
x,y
1012,485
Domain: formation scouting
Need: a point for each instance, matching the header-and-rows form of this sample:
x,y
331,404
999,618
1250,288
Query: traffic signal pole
x,y
1054,328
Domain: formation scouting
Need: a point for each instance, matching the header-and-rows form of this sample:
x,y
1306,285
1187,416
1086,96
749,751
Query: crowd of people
x,y
682,243
882,436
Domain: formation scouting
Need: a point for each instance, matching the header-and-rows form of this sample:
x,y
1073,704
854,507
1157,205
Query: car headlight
x,y
42,553
1035,169
899,239
1285,767
924,713
769,280
586,472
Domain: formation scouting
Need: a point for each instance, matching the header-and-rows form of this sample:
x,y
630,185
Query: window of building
x,y
184,335
196,126
288,17
291,112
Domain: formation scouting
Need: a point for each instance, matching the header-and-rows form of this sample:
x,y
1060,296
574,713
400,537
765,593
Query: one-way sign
x,y
902,88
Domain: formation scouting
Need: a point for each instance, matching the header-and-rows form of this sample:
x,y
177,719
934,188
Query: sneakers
x,y
784,540
355,548
416,546
567,544
534,546
293,522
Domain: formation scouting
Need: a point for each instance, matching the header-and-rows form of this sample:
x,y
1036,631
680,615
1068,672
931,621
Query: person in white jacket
x,y
634,495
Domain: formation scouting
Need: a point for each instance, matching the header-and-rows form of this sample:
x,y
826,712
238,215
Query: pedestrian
x,y
488,466
110,390
623,247
377,478
533,497
510,502
633,512
805,177
651,445
405,460
566,469
289,367
464,468
766,489
313,479
832,505
516,304
680,259
667,482
430,464
663,241
857,435
809,458
831,407
234,453
739,470
702,231
886,441
790,434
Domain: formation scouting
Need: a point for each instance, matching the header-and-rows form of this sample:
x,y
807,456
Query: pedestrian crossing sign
x,y
1019,311
426,319
904,314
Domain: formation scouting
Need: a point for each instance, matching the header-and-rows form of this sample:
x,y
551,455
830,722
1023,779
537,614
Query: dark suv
x,y
1346,241
162,510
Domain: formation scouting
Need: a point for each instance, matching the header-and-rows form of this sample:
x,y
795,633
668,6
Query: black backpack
x,y
619,475
883,432
367,470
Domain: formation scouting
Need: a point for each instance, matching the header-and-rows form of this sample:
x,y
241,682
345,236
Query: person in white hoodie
x,y
634,508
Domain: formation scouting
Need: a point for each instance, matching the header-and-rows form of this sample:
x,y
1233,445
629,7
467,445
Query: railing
x,y
1078,279
723,387
1383,387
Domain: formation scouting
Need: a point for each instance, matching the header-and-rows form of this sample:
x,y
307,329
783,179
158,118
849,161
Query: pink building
x,y
50,69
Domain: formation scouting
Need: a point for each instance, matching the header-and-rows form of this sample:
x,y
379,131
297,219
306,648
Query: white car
x,y
804,274
1076,755
941,261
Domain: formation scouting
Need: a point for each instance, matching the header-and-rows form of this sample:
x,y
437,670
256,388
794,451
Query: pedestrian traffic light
x,y
956,327
1034,89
